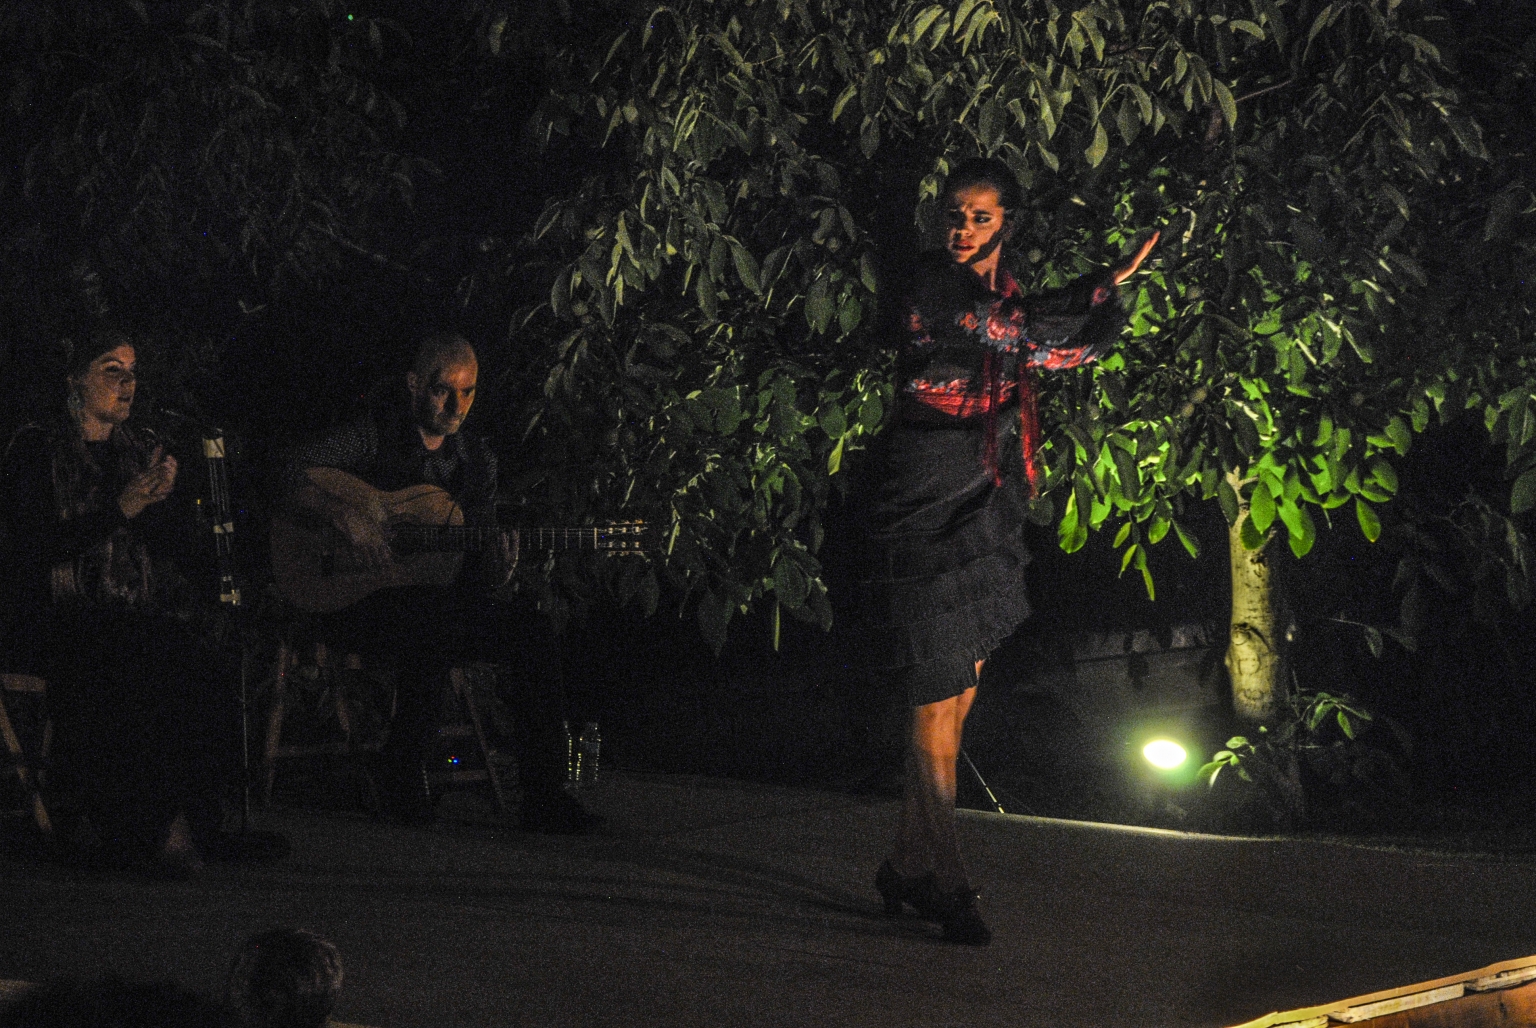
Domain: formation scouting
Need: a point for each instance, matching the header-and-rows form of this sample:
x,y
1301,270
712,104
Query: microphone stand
x,y
247,843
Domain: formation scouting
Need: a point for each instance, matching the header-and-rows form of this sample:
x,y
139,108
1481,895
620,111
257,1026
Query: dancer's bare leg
x,y
926,838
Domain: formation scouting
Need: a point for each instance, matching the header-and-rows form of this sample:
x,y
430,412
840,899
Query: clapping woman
x,y
92,545
943,511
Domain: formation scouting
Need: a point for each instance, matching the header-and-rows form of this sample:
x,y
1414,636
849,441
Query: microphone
x,y
191,421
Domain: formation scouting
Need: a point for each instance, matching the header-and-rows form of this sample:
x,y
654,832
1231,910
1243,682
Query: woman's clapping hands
x,y
149,486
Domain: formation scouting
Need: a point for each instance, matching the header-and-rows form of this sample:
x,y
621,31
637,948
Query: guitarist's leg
x,y
417,627
520,640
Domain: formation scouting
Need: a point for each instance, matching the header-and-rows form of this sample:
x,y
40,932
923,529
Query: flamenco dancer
x,y
943,515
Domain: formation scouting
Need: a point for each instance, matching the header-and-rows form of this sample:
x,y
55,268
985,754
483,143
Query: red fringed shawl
x,y
1004,327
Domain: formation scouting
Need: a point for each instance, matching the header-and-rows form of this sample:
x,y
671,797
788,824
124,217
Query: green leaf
x,y
833,420
1301,529
1324,431
714,615
1228,500
1251,538
867,273
1467,132
925,20
1240,25
990,123
1143,100
1228,104
789,582
746,267
1523,496
1370,524
1384,475
1189,541
708,303
835,458
848,94
1128,473
871,412
819,307
1099,147
849,314
1398,432
869,138
1261,507
1067,530
1319,23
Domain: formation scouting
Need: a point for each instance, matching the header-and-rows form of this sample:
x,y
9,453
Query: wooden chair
x,y
311,659
466,722
28,766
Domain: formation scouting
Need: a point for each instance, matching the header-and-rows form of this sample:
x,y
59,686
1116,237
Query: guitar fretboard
x,y
624,535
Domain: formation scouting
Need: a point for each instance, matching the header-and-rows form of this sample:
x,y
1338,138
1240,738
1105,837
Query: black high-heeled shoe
x,y
956,912
896,889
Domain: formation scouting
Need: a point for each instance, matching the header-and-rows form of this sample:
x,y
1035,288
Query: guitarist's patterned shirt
x,y
388,454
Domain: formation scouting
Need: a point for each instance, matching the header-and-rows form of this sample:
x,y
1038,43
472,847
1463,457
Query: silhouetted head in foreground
x,y
284,979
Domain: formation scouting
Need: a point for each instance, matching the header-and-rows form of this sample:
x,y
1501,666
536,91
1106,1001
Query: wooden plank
x,y
1394,1004
1503,980
1305,1015
1505,1008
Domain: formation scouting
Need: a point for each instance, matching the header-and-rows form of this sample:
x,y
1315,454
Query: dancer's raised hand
x,y
1127,270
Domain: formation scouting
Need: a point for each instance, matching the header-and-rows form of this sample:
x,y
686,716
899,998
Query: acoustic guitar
x,y
318,572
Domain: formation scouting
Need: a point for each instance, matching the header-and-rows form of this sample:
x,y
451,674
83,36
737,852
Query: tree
x,y
728,186
184,165
751,166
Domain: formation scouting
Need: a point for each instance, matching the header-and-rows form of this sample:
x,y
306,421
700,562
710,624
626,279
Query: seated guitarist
x,y
412,439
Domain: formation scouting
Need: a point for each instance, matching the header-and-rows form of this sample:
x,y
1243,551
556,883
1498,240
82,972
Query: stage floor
x,y
709,902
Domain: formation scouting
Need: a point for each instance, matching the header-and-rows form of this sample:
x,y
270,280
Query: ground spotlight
x,y
1164,754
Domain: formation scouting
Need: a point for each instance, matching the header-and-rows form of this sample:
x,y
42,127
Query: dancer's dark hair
x,y
987,171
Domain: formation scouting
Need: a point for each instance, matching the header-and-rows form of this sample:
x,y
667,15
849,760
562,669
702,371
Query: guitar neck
x,y
468,539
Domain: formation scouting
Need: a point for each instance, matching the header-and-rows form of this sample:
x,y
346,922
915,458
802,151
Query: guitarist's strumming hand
x,y
365,534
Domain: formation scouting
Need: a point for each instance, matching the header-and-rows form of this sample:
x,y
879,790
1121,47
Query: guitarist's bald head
x,y
439,352
442,386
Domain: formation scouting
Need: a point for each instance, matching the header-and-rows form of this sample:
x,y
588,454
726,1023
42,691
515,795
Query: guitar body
x,y
318,572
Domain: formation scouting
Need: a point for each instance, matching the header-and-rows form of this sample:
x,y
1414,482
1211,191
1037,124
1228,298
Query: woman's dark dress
x,y
942,583
100,609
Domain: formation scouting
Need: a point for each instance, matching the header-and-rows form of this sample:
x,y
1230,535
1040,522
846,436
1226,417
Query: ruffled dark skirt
x,y
940,580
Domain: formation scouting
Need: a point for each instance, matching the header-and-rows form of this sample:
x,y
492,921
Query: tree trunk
x,y
1254,655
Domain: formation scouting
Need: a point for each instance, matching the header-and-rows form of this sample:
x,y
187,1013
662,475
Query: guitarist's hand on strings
x,y
502,560
365,535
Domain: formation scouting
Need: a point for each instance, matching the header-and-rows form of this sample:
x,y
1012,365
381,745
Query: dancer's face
x,y
978,227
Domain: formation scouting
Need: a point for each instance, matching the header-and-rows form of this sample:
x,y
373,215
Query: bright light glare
x,y
1164,754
